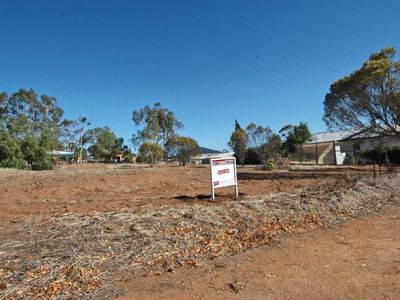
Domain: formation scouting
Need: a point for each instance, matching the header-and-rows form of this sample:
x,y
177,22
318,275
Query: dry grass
x,y
79,255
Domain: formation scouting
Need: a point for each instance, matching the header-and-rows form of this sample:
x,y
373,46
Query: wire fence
x,y
324,153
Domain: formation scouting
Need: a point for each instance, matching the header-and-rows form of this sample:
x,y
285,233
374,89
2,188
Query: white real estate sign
x,y
223,173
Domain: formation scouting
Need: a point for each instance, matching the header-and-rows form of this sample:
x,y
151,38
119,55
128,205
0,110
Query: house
x,y
206,154
60,156
332,147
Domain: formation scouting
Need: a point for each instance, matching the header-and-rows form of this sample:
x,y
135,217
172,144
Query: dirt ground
x,y
359,260
99,187
102,231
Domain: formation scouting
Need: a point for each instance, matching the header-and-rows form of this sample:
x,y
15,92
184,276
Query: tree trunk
x,y
80,151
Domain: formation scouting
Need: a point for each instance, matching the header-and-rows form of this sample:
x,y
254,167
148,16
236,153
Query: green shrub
x,y
374,155
35,155
349,160
379,155
394,155
129,157
13,163
151,152
43,162
251,157
141,159
269,166
10,152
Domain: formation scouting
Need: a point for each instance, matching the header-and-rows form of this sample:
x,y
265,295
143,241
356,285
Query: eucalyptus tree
x,y
11,155
238,143
181,148
150,152
33,123
25,115
295,134
155,125
105,144
76,135
258,137
368,98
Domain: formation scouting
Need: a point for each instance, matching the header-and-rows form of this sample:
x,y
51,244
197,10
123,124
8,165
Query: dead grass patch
x,y
78,255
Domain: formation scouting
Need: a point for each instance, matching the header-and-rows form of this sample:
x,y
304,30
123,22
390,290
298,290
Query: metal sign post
x,y
223,173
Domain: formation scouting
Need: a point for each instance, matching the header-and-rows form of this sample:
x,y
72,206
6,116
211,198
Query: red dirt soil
x,y
360,260
100,187
97,187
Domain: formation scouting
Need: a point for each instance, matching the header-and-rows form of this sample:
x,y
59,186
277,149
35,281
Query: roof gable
x,y
329,136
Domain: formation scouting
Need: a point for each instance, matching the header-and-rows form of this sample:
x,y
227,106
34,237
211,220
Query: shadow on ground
x,y
206,197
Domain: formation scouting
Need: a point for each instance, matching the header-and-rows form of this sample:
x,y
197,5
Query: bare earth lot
x,y
112,187
104,231
360,260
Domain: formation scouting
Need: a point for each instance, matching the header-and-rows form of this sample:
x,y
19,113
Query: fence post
x,y
334,151
301,154
379,165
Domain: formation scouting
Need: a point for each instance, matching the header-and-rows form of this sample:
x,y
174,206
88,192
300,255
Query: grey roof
x,y
329,136
58,153
204,150
213,155
342,135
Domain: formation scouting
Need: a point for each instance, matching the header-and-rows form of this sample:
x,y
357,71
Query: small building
x,y
206,154
332,147
62,156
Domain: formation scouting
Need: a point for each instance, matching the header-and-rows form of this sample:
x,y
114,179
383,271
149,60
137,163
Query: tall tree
x,y
76,134
10,152
26,115
238,143
150,152
272,148
105,143
67,136
35,154
257,134
33,123
369,98
156,124
258,137
181,148
295,134
3,109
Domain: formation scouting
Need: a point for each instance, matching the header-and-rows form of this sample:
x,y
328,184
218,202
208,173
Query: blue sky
x,y
211,62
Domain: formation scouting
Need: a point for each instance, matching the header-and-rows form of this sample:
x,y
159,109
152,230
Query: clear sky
x,y
211,62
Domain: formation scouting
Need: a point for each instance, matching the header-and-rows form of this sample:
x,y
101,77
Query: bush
x,y
349,160
13,163
20,156
35,155
150,152
129,157
10,152
182,148
252,157
141,160
379,155
394,155
269,166
42,162
374,156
